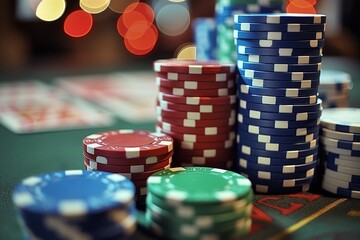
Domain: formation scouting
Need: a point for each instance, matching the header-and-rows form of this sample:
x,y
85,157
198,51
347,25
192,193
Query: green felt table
x,y
300,216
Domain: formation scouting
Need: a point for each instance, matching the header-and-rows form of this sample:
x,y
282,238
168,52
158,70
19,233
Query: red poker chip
x,y
132,176
215,77
225,100
197,137
194,115
198,145
208,108
193,85
198,123
128,162
127,144
208,153
193,67
127,169
198,93
191,130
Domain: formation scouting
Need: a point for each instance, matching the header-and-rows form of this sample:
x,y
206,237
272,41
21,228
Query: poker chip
x,y
271,35
271,161
255,98
280,43
263,138
204,30
279,76
281,18
135,154
341,151
301,116
196,105
284,52
92,204
256,82
198,202
279,67
290,27
264,188
303,59
249,128
279,92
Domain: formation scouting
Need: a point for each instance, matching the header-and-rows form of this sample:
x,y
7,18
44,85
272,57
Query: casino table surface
x,y
314,215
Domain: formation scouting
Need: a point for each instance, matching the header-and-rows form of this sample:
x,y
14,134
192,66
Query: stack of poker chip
x,y
341,151
334,88
279,63
196,107
224,14
135,154
205,38
198,203
76,204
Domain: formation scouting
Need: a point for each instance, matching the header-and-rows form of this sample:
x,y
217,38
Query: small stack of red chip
x,y
196,107
134,154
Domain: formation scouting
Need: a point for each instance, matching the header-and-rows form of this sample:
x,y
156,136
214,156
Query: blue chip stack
x,y
341,156
334,88
224,14
205,38
76,204
279,61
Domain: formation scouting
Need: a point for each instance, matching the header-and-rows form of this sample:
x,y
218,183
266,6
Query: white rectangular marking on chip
x,y
211,131
281,67
172,76
265,43
206,108
254,58
293,27
192,100
220,77
190,85
292,92
195,69
178,91
274,35
303,60
132,152
245,26
292,154
285,52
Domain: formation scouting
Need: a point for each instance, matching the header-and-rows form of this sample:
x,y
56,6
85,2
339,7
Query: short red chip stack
x,y
196,107
134,154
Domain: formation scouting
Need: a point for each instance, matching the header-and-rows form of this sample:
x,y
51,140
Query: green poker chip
x,y
198,185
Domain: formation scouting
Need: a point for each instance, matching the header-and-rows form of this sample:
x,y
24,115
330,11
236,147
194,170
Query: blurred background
x,y
30,43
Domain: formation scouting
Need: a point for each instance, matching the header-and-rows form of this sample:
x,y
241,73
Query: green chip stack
x,y
224,14
198,203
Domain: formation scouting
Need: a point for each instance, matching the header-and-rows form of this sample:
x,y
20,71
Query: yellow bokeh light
x,y
94,10
119,6
95,4
187,52
50,10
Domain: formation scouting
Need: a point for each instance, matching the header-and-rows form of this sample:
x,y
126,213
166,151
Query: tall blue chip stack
x,y
76,204
224,13
205,38
279,61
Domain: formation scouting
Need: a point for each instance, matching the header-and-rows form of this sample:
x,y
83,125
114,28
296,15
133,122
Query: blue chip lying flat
x,y
281,18
276,176
341,191
280,84
73,193
341,119
279,59
269,188
269,161
264,138
341,144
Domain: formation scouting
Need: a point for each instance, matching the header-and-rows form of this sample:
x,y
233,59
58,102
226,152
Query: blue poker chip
x,y
342,119
274,100
278,35
279,43
269,161
277,146
342,176
290,27
263,138
269,188
277,124
281,18
205,38
280,183
341,161
251,128
281,108
279,84
279,51
302,116
341,191
248,150
54,193
280,92
279,67
295,168
335,81
279,59
260,174
341,144
279,76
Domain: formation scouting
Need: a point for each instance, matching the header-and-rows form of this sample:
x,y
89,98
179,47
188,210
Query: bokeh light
x,y
301,6
50,10
119,6
173,19
78,23
186,52
143,44
94,6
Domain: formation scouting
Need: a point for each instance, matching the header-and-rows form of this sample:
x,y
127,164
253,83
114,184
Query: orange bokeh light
x,y
144,44
301,6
